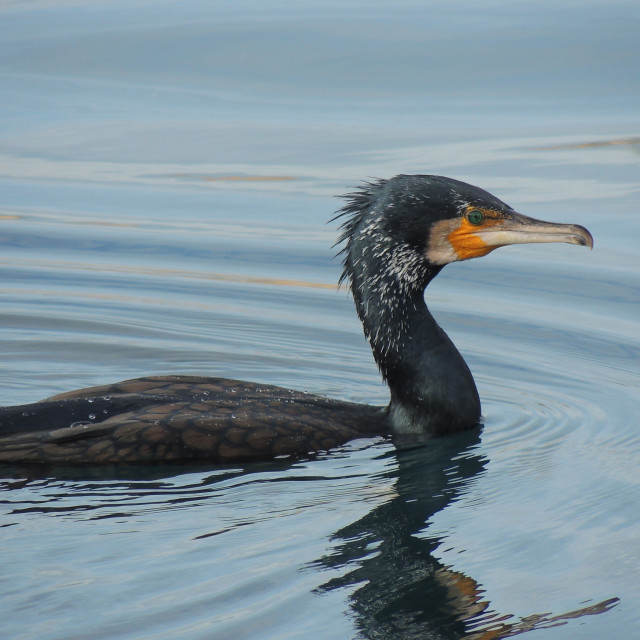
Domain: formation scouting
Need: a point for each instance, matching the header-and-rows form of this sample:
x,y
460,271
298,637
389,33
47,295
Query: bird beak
x,y
459,239
519,229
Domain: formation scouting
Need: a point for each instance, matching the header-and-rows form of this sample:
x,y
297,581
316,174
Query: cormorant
x,y
397,234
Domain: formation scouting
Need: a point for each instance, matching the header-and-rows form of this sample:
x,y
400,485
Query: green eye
x,y
475,216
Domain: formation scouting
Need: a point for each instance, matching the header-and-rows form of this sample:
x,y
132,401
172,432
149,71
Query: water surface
x,y
167,173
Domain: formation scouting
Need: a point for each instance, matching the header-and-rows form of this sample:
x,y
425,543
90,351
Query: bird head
x,y
468,222
413,225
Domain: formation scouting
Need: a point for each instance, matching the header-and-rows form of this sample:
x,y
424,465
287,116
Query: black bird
x,y
397,235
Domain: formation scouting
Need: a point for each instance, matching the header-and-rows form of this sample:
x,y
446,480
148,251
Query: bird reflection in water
x,y
401,590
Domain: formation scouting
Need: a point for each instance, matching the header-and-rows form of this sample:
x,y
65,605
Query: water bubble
x,y
92,416
90,399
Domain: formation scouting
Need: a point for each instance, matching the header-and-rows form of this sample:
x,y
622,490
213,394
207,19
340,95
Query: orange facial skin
x,y
465,241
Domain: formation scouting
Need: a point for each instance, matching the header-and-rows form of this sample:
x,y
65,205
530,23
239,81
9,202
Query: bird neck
x,y
432,389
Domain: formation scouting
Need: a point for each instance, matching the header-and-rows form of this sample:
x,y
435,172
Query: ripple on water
x,y
560,402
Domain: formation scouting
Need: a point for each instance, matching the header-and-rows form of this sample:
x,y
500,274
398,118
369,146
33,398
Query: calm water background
x,y
166,174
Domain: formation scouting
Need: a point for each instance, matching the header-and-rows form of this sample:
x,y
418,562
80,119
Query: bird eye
x,y
475,216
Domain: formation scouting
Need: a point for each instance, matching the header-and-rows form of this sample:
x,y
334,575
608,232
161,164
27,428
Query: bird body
x,y
181,418
397,235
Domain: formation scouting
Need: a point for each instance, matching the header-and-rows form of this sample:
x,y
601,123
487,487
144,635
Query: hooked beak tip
x,y
583,236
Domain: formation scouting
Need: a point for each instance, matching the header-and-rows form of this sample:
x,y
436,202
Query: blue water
x,y
167,171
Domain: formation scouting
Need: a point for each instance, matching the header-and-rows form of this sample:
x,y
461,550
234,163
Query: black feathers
x,y
359,203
